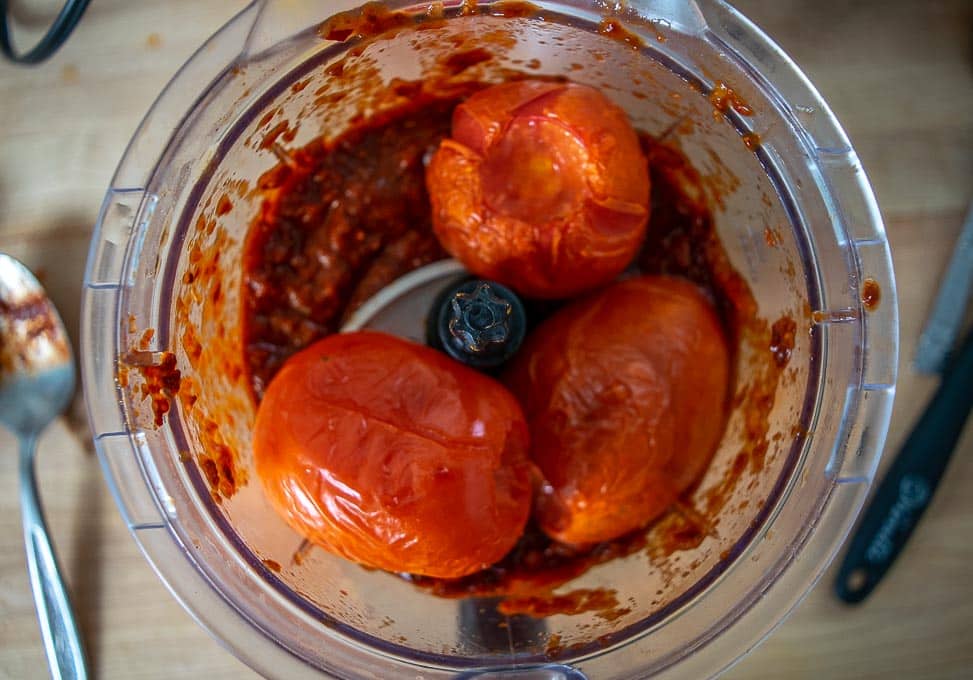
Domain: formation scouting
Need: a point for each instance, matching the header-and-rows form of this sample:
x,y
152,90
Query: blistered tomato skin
x,y
625,393
392,455
542,186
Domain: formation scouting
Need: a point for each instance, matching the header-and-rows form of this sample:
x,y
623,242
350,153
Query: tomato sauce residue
x,y
458,62
602,601
267,117
210,346
555,646
871,294
224,206
373,18
614,29
219,471
161,378
281,131
772,237
782,340
534,568
723,98
146,338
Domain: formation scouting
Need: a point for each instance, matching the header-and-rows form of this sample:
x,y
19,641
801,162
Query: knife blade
x,y
943,325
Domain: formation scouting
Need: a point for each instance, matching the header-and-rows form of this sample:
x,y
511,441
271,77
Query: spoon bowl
x,y
37,379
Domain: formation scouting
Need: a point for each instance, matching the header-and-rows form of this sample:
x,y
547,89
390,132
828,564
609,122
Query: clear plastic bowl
x,y
692,614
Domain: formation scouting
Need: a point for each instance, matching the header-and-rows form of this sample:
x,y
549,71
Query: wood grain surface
x,y
899,75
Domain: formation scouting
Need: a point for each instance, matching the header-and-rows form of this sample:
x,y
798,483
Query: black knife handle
x,y
908,487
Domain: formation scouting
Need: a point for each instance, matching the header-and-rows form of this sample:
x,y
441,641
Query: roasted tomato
x,y
626,395
391,454
542,186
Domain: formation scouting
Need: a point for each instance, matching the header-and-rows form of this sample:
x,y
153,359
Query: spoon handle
x,y
62,643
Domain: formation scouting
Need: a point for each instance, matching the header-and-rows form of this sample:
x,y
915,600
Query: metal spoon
x,y
36,383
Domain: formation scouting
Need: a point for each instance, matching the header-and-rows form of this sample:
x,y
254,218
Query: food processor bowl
x,y
162,313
